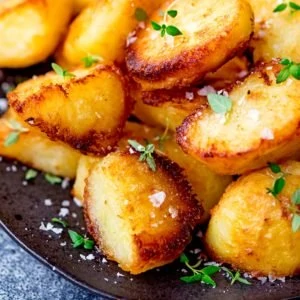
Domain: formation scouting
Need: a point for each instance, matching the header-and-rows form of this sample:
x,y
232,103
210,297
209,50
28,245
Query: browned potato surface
x,y
87,111
102,30
167,108
212,33
252,230
79,5
34,149
262,125
139,218
31,30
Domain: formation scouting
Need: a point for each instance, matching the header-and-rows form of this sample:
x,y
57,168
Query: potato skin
x,y
126,225
34,149
166,108
31,30
251,230
255,132
102,29
79,5
87,112
163,63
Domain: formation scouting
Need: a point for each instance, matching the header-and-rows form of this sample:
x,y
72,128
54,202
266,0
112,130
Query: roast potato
x,y
85,163
87,111
102,30
34,149
211,35
139,218
252,230
31,30
166,108
261,126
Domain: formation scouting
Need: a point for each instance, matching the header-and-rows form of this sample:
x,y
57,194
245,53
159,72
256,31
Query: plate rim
x,y
55,269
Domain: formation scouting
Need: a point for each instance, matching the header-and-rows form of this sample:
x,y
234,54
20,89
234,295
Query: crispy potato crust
x,y
251,230
127,226
211,35
31,30
34,149
166,108
88,112
256,130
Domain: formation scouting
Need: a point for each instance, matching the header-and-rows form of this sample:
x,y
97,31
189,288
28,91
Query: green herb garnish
x,y
235,277
59,221
199,275
140,14
165,28
13,136
279,183
295,211
283,6
219,104
60,71
31,174
290,69
90,60
146,153
52,179
274,168
79,240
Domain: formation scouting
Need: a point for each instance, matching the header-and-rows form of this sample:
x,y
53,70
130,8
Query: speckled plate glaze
x,y
22,209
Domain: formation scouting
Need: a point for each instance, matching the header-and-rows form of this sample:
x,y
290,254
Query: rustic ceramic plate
x,y
23,208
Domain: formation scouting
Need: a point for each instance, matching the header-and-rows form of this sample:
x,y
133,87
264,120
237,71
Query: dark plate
x,y
22,210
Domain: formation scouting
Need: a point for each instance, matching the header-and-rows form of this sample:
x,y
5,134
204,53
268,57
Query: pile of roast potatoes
x,y
211,168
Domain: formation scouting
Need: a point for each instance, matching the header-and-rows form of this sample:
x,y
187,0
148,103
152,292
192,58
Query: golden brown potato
x,y
79,5
31,30
211,35
102,30
252,230
207,185
139,218
235,69
87,111
84,165
261,126
166,108
34,149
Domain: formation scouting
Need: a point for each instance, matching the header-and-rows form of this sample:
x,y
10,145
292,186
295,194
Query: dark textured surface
x,y
22,277
22,210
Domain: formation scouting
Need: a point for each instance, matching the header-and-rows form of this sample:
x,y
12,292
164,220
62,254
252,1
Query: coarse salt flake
x,y
208,89
63,212
65,203
173,212
65,183
189,96
48,202
50,227
120,274
90,257
157,199
267,134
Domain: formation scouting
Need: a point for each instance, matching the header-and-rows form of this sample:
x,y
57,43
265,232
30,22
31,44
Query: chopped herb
x,y
294,6
52,178
59,221
140,14
295,210
79,240
172,13
277,187
290,69
235,277
199,275
296,222
146,153
60,71
219,104
274,168
12,138
90,60
281,7
296,197
30,174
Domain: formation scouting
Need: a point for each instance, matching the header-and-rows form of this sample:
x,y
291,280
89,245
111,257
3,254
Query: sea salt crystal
x,y
189,96
208,89
77,202
48,202
63,244
263,280
65,203
173,212
157,199
267,134
63,212
3,105
104,260
131,38
50,227
65,183
120,275
90,257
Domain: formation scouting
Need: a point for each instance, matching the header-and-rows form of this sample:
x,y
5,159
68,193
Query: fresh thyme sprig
x,y
283,6
52,179
60,71
146,153
290,69
219,104
14,135
30,174
78,240
90,60
235,277
279,183
295,210
59,221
